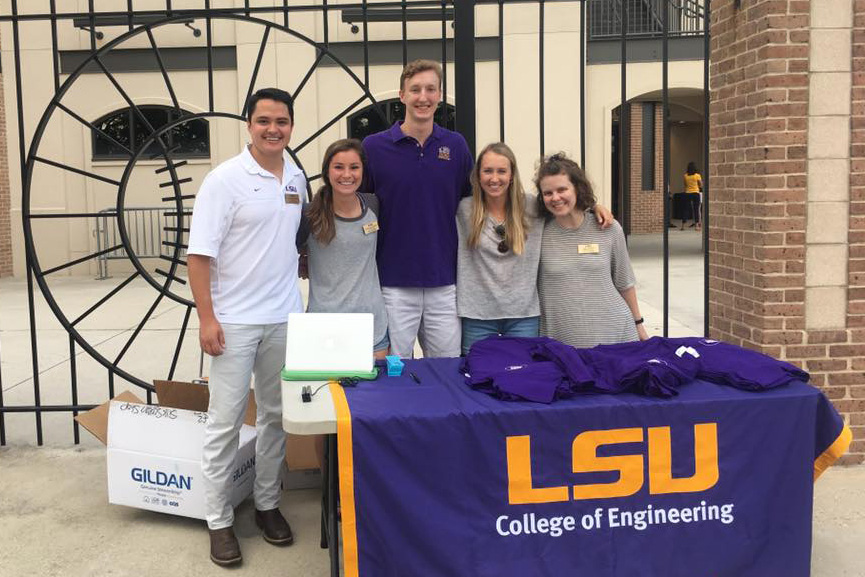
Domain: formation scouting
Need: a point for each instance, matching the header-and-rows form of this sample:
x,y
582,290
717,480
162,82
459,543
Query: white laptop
x,y
322,346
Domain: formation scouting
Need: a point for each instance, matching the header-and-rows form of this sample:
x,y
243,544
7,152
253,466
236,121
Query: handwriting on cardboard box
x,y
149,411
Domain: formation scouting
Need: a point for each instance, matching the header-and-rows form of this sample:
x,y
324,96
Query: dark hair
x,y
320,211
418,66
270,94
559,163
692,168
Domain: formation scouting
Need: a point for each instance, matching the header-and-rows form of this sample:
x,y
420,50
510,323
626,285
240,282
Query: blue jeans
x,y
383,344
476,329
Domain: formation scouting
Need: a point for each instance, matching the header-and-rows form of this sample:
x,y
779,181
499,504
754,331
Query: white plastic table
x,y
317,417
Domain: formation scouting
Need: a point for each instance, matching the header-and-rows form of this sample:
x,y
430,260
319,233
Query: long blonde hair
x,y
516,222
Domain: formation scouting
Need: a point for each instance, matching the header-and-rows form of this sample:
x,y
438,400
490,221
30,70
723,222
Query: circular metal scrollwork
x,y
175,191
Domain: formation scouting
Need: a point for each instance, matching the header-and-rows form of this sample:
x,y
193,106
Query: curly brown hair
x,y
559,163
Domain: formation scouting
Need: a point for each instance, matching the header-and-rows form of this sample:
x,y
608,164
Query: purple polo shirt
x,y
419,189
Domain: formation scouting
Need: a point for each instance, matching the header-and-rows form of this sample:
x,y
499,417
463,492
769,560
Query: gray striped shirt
x,y
581,304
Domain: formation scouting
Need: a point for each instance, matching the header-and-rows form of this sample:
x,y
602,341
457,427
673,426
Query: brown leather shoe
x,y
276,529
224,548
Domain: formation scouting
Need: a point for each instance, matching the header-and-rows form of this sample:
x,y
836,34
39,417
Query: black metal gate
x,y
95,54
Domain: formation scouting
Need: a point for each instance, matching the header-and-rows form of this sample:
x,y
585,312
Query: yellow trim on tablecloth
x,y
835,450
346,480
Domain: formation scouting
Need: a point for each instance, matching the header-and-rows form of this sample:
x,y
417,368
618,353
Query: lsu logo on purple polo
x,y
585,459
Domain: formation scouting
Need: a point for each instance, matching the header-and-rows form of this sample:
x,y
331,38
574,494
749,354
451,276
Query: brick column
x,y
781,199
647,206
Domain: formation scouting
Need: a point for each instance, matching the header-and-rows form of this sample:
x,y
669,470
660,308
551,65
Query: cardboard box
x,y
154,452
300,452
307,479
194,397
301,462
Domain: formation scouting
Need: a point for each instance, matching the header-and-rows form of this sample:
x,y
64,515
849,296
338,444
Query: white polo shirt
x,y
245,220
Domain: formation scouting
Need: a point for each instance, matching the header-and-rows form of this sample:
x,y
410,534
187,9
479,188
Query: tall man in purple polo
x,y
419,171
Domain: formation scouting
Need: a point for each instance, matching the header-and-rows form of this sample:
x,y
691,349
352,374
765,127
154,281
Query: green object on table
x,y
326,375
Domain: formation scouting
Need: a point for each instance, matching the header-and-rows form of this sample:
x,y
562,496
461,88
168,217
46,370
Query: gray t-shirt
x,y
581,274
494,285
343,276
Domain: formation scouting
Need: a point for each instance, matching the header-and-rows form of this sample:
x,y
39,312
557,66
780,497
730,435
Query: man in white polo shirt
x,y
243,275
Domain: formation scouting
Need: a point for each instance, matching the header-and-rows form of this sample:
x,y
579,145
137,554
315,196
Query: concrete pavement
x,y
55,521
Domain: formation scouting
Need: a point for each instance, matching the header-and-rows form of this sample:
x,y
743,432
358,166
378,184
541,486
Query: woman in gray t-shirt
x,y
498,251
340,230
585,280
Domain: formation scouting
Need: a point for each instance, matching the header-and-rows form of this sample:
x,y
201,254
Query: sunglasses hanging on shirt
x,y
503,244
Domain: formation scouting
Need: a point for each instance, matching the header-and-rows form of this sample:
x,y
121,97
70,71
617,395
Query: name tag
x,y
588,249
292,198
370,227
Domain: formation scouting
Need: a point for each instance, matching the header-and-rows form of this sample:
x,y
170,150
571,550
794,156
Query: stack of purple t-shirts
x,y
727,364
505,367
542,369
650,368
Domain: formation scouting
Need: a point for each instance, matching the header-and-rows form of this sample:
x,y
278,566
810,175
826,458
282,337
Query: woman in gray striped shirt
x,y
585,279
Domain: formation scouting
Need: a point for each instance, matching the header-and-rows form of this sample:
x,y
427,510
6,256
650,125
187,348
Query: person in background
x,y
694,188
499,250
340,230
585,280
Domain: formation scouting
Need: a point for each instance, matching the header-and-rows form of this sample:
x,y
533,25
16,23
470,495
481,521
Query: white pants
x,y
249,349
430,314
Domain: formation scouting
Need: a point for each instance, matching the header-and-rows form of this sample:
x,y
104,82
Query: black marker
x,y
414,377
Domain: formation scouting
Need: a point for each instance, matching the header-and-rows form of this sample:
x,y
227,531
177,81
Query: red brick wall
x,y
647,208
5,197
757,163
